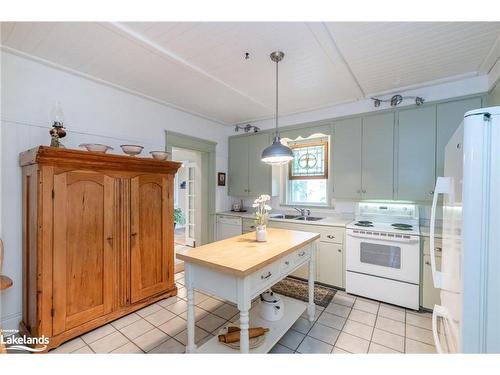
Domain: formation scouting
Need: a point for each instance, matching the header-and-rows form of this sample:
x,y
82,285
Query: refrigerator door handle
x,y
444,185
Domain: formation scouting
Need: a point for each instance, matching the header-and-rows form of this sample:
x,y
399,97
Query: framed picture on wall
x,y
221,179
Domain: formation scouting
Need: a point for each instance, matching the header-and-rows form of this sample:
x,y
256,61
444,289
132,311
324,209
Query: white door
x,y
190,203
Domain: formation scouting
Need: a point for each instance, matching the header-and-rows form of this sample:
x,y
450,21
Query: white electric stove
x,y
383,253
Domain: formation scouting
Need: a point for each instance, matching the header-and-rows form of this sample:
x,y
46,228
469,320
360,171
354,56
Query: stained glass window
x,y
310,161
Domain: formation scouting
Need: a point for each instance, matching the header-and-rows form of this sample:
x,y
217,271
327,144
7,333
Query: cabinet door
x,y
259,173
238,167
430,295
416,153
346,145
378,155
85,221
330,264
151,231
449,117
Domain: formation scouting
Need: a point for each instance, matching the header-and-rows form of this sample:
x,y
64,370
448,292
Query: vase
x,y
261,233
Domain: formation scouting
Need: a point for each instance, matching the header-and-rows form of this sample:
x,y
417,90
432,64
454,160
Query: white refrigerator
x,y
468,318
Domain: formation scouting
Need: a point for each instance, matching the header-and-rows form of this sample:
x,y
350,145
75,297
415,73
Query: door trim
x,y
208,177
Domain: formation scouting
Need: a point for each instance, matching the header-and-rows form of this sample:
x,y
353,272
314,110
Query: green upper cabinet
x,y
248,175
238,166
377,178
416,147
259,173
346,162
449,117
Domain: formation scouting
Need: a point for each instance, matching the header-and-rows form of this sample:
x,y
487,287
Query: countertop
x,y
242,255
338,220
331,221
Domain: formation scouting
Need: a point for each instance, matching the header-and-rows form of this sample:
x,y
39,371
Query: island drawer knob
x,y
287,262
330,236
267,276
302,253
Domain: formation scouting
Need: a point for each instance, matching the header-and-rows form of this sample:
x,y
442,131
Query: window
x,y
308,173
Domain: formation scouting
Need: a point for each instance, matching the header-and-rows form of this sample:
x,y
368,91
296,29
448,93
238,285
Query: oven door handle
x,y
444,185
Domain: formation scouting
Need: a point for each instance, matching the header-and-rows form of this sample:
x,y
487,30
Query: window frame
x,y
324,176
286,200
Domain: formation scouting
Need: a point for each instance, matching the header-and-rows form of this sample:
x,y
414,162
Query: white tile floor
x,y
347,325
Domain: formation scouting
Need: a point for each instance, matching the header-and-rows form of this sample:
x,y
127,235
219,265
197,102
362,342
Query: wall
x,y
94,113
494,95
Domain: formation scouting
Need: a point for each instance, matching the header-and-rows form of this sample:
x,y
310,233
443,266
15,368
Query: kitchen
x,y
338,206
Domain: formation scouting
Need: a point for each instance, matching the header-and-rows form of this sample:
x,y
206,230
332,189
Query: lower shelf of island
x,y
293,310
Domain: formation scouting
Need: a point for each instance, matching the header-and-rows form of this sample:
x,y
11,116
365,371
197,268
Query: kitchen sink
x,y
294,217
308,218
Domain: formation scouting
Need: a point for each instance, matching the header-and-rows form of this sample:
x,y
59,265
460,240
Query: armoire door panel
x,y
150,247
84,256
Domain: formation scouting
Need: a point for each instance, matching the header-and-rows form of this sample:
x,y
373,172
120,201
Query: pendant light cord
x,y
276,133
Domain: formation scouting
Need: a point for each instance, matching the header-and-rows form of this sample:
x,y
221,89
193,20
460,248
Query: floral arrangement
x,y
262,209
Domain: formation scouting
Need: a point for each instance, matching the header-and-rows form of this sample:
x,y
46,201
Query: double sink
x,y
295,217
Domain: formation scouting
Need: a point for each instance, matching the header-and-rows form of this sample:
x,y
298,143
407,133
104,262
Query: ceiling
x,y
200,67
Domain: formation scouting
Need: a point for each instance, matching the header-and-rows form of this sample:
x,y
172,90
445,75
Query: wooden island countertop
x,y
243,255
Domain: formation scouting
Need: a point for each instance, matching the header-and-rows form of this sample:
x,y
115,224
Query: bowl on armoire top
x,y
132,150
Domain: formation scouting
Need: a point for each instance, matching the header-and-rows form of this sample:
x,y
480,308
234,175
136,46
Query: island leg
x,y
244,337
311,307
191,346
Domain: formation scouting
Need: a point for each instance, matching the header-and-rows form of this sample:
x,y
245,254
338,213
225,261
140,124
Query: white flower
x,y
267,207
255,205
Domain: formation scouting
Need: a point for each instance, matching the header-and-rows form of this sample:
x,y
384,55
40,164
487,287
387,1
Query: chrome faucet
x,y
304,212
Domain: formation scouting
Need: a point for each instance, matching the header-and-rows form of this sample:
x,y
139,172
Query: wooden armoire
x,y
98,239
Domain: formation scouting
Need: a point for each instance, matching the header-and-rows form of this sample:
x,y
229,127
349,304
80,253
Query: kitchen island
x,y
238,269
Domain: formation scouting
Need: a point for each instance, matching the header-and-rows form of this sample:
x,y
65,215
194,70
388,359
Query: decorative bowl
x,y
96,147
159,155
132,150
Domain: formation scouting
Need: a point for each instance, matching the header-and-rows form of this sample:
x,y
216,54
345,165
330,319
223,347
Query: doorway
x,y
187,204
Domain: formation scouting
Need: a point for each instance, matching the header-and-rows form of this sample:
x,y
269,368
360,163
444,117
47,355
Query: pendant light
x,y
277,153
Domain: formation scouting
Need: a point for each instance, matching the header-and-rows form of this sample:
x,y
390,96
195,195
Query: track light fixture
x,y
246,128
396,100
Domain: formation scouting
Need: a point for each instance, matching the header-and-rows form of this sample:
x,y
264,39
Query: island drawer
x,y
266,276
301,255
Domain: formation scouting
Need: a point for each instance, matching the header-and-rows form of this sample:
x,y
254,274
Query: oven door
x,y
396,259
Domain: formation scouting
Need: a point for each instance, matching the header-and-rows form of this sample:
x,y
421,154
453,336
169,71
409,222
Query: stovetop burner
x,y
364,223
400,226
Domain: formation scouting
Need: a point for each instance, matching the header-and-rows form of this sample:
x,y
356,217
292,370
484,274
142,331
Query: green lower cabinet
x,y
248,176
430,296
416,147
329,264
377,178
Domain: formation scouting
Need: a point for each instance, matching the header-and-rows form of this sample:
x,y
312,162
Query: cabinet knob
x,y
252,226
134,234
431,192
363,191
438,249
330,236
287,262
302,253
339,250
110,238
427,263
